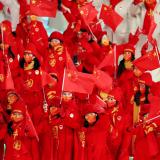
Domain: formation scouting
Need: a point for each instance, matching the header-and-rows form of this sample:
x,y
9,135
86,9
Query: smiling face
x,y
11,98
28,57
55,42
91,117
111,102
105,40
137,72
67,96
17,116
4,46
142,87
127,55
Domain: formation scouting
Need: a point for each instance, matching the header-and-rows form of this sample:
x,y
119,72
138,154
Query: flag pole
x,y
64,74
154,118
45,104
157,53
2,38
7,62
149,120
115,62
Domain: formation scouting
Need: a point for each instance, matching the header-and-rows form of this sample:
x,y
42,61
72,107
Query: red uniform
x,y
57,133
31,82
91,140
55,61
20,140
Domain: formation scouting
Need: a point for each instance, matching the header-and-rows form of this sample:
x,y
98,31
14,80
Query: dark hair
x,y
84,70
36,63
9,128
86,124
54,76
8,111
59,4
138,95
121,67
10,53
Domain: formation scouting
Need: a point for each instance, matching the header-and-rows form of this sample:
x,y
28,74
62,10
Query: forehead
x,y
55,40
91,114
12,95
67,94
17,112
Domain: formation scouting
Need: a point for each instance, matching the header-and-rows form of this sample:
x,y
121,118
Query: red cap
x,y
19,106
129,48
117,93
56,35
91,108
31,48
146,78
136,64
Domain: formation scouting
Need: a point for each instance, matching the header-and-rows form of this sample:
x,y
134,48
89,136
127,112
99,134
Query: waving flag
x,y
88,12
110,17
79,82
44,8
149,61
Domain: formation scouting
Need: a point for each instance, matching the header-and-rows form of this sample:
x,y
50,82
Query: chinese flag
x,y
88,12
44,8
78,82
47,79
151,29
102,80
110,17
149,61
108,60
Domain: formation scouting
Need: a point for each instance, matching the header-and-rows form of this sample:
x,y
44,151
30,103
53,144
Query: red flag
x,y
108,60
151,29
47,79
88,12
110,17
149,61
78,82
102,80
44,8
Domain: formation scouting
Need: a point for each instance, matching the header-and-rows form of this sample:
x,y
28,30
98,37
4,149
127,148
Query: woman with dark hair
x,y
30,82
91,138
55,59
141,94
125,74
